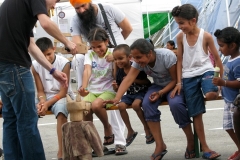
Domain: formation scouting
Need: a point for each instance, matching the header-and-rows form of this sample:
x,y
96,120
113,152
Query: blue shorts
x,y
129,98
194,90
59,107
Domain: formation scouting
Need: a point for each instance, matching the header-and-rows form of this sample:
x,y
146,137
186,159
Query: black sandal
x,y
106,138
149,139
154,156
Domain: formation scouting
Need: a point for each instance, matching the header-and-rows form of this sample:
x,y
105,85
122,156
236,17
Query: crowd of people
x,y
112,75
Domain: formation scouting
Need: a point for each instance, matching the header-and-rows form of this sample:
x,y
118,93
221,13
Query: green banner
x,y
156,20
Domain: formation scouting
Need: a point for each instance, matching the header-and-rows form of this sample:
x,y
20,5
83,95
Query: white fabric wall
x,y
132,9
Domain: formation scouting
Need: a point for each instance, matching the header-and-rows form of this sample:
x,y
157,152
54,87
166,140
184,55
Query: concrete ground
x,y
174,138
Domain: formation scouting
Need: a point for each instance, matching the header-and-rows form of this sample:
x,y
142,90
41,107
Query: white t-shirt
x,y
114,16
50,84
102,72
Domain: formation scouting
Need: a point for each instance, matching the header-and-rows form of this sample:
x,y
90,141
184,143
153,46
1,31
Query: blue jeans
x,y
21,138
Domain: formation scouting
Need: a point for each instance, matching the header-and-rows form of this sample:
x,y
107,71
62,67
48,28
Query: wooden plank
x,y
82,49
116,107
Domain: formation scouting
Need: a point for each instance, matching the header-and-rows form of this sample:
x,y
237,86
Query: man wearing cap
x,y
21,138
88,16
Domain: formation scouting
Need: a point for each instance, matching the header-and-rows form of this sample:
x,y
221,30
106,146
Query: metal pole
x,y
228,18
169,26
148,21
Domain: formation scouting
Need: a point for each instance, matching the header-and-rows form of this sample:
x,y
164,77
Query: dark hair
x,y
99,34
44,44
186,11
228,35
142,45
172,43
123,47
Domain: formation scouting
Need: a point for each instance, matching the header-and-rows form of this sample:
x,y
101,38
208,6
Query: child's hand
x,y
114,84
176,90
109,58
154,97
42,109
217,81
83,91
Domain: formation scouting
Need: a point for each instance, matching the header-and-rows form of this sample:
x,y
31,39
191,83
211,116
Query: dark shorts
x,y
177,106
129,98
194,90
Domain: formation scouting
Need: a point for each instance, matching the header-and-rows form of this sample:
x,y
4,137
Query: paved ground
x,y
138,150
173,136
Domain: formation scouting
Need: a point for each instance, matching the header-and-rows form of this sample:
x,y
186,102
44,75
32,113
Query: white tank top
x,y
195,61
50,84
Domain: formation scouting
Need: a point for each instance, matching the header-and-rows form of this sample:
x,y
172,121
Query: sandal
x,y
130,139
189,154
154,156
149,139
210,155
106,138
106,151
120,149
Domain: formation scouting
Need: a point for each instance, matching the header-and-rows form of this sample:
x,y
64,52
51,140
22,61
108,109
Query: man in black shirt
x,y
21,138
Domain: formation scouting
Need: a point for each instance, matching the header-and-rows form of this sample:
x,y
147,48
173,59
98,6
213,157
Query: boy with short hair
x,y
135,93
51,95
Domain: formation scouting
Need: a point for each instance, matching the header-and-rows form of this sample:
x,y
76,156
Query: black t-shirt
x,y
134,88
17,19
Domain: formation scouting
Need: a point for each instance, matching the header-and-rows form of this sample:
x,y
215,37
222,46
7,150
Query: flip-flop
x,y
149,139
188,154
154,156
106,138
130,139
208,155
106,151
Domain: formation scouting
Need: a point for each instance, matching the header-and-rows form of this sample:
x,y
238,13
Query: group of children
x,y
182,80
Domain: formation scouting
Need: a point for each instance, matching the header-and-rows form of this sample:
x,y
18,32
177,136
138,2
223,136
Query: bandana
x,y
73,2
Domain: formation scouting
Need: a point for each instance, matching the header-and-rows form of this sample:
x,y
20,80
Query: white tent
x,y
132,9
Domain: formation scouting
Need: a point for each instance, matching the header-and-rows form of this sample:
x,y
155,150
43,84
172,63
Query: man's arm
x,y
77,39
51,28
40,58
126,27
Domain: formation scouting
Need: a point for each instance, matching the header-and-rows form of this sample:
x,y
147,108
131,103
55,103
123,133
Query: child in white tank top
x,y
194,68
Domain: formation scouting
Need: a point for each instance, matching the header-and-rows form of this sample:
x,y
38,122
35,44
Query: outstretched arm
x,y
86,76
142,81
51,28
127,81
